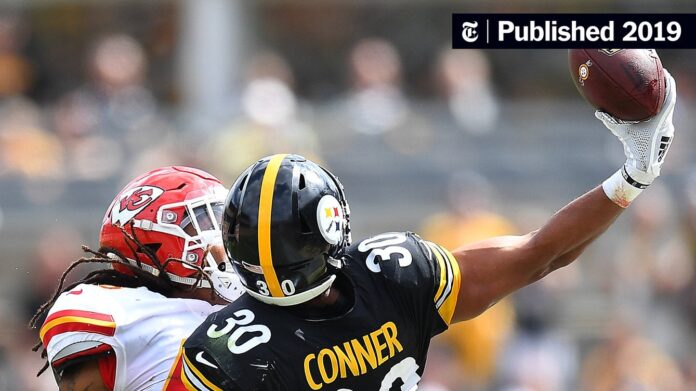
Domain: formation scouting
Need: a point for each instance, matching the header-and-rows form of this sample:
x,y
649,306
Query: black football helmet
x,y
285,227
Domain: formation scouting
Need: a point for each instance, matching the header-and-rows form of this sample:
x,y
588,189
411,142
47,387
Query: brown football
x,y
626,83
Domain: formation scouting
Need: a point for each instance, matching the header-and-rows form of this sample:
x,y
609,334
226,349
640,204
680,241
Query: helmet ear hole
x,y
302,183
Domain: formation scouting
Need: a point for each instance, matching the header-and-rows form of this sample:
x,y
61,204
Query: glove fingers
x,y
669,80
670,95
608,120
605,117
611,123
667,110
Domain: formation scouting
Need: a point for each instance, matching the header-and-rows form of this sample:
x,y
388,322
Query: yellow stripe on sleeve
x,y
76,319
443,271
265,208
199,376
186,381
447,308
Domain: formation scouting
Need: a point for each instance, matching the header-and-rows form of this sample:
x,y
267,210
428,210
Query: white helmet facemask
x,y
200,230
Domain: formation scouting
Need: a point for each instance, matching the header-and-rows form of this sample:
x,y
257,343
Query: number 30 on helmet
x,y
285,227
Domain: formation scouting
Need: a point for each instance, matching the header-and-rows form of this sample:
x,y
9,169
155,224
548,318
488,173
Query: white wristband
x,y
621,188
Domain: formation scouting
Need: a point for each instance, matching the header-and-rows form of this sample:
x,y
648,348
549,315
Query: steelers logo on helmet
x,y
330,218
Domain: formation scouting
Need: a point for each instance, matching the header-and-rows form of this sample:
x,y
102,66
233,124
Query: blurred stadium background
x,y
456,145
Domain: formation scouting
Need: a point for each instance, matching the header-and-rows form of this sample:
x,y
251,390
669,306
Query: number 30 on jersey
x,y
236,327
382,248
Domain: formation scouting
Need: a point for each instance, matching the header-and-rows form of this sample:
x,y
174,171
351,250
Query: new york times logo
x,y
469,33
564,31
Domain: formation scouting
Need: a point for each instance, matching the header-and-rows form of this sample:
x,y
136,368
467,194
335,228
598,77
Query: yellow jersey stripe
x,y
186,381
77,319
448,306
448,279
443,271
199,376
265,208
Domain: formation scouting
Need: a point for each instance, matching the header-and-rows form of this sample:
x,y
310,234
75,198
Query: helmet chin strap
x,y
297,298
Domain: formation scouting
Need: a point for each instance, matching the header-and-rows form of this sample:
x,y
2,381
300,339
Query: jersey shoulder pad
x,y
79,322
401,258
414,266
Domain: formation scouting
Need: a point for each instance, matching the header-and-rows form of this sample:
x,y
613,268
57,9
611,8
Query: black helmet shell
x,y
285,219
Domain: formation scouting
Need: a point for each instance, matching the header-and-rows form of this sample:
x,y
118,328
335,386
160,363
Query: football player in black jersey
x,y
324,314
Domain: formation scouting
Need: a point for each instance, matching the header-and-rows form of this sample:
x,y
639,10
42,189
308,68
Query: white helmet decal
x,y
132,202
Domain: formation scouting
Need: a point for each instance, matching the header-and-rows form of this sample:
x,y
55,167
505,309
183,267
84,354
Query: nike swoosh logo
x,y
202,360
76,292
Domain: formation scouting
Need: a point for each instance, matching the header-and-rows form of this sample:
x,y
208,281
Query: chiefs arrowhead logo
x,y
132,202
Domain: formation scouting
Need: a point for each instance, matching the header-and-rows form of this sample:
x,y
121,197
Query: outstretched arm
x,y
493,268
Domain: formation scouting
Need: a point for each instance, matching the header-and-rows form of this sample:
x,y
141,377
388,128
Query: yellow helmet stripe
x,y
265,207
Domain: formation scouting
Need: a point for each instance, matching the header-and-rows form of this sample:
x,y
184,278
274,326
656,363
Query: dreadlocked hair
x,y
161,283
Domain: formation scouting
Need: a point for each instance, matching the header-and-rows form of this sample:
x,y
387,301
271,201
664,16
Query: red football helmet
x,y
175,212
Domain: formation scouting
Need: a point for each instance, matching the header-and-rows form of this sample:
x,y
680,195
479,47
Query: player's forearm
x,y
565,236
496,267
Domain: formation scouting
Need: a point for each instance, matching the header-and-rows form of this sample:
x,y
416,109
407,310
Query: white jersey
x,y
144,329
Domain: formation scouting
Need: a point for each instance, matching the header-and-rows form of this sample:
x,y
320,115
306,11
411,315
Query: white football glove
x,y
645,143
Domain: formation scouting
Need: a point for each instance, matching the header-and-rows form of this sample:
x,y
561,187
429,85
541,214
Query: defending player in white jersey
x,y
120,327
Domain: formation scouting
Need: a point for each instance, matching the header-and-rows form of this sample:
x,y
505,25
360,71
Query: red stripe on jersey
x,y
77,326
82,314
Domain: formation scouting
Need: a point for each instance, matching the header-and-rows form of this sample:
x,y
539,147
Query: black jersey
x,y
404,291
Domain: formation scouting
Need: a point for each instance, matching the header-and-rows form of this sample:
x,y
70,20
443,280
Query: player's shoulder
x,y
81,322
83,300
387,240
91,312
241,330
241,317
392,252
109,299
407,266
